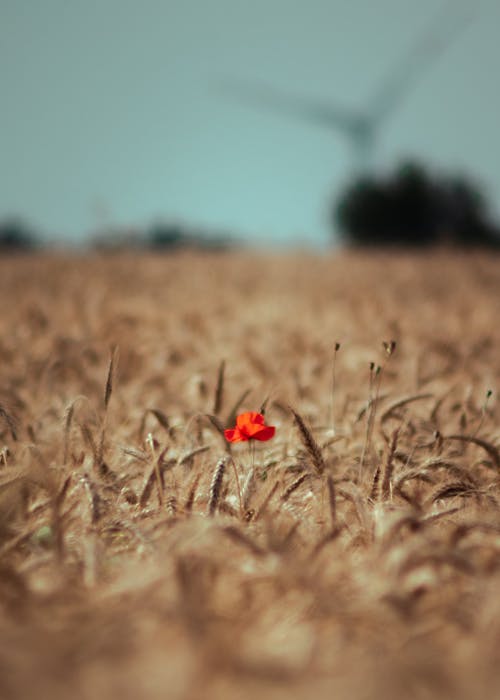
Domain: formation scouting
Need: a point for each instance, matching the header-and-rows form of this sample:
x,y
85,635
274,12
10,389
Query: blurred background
x,y
271,123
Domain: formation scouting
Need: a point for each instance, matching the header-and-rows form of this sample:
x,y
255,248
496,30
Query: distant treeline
x,y
16,236
161,236
413,207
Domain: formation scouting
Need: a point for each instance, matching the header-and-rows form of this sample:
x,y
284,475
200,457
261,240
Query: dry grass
x,y
358,557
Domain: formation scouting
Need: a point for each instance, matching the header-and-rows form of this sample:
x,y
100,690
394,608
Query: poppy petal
x,y
244,420
234,435
266,432
251,429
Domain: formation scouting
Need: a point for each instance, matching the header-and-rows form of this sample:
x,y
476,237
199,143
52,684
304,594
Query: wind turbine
x,y
361,128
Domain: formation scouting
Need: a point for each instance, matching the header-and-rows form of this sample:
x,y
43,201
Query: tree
x,y
15,236
414,208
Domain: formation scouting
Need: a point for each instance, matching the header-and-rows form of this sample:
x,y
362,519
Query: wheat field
x,y
355,555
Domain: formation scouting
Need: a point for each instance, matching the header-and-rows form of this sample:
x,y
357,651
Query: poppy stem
x,y
251,447
238,487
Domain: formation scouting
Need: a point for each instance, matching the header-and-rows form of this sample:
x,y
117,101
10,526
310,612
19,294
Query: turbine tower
x,y
362,128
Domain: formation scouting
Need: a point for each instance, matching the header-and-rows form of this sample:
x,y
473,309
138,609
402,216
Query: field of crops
x,y
355,555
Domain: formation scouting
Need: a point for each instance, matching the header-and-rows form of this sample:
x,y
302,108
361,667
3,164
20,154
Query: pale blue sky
x,y
112,110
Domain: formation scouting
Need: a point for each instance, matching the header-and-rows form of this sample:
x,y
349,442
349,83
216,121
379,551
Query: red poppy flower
x,y
250,426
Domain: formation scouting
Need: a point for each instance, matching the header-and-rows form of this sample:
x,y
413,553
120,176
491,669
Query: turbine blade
x,y
444,28
317,112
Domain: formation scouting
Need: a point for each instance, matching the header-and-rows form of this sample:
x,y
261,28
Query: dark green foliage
x,y
15,236
414,208
167,236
